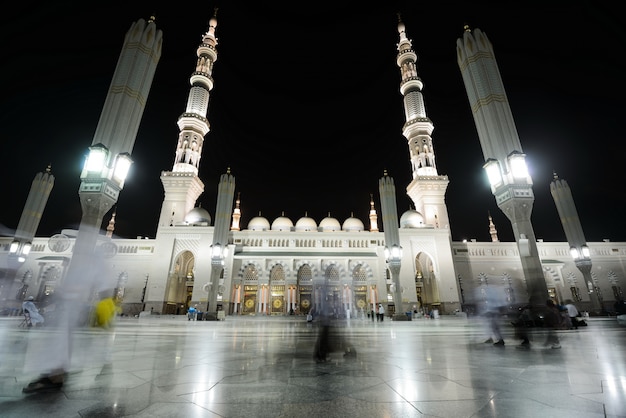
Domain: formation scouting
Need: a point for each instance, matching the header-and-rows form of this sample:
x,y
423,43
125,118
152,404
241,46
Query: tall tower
x,y
428,188
504,160
182,185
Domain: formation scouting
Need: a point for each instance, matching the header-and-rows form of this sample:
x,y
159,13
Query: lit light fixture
x,y
492,167
216,250
14,246
585,251
517,162
26,248
393,254
122,167
96,160
574,252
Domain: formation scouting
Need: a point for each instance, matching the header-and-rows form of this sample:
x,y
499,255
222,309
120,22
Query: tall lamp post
x,y
393,256
102,179
218,254
582,259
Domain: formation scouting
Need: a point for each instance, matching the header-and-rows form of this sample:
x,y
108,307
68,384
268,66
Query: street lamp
x,y
393,257
19,250
582,259
218,254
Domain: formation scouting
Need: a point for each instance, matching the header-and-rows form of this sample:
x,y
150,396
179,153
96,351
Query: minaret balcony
x,y
202,79
207,50
412,83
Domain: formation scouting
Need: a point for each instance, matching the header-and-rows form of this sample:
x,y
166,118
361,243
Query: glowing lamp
x,y
517,162
492,167
122,166
96,160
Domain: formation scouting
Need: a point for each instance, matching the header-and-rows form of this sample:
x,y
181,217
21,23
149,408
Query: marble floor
x,y
264,367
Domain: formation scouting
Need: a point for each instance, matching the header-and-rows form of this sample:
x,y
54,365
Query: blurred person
x,y
191,314
552,322
33,311
489,308
53,355
572,313
381,312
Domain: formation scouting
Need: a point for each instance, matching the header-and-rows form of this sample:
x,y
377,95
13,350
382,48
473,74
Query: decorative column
x,y
505,162
393,250
564,201
219,249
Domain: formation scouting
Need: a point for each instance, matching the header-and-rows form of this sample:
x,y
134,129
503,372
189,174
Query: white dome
x,y
330,224
198,216
353,224
411,219
306,224
282,223
259,223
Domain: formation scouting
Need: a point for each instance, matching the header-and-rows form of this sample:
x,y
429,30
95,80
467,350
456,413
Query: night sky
x,y
306,109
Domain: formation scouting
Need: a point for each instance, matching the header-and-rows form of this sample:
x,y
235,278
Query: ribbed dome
x,y
282,223
306,224
198,216
259,223
330,224
353,224
411,219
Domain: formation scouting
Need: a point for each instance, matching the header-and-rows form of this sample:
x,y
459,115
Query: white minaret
x,y
182,185
236,215
373,216
505,163
428,188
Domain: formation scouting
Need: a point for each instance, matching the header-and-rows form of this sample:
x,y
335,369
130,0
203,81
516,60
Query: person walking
x,y
572,312
191,313
35,316
552,322
381,312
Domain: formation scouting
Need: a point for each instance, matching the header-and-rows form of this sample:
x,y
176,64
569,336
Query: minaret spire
x,y
182,185
373,215
492,229
427,190
111,225
236,213
193,123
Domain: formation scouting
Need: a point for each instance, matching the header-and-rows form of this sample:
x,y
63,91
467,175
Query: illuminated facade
x,y
279,267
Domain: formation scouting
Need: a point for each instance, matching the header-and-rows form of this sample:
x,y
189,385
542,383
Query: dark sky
x,y
306,109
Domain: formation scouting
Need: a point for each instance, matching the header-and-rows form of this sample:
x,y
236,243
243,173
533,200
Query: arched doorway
x,y
426,284
180,284
277,289
305,289
250,288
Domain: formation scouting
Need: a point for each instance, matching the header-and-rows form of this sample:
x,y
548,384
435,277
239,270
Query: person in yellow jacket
x,y
105,312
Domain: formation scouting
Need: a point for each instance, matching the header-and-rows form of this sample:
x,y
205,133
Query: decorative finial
x,y
466,28
228,170
385,172
556,177
49,168
152,18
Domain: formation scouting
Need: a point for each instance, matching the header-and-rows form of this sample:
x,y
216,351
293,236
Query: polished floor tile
x,y
265,367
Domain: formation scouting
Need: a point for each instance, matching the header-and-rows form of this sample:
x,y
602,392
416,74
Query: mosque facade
x,y
283,266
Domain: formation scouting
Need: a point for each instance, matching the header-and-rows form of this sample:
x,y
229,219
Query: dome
x,y
259,223
306,224
330,224
198,216
282,223
411,219
353,224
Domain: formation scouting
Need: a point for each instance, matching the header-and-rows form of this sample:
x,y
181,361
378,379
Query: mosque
x,y
271,267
